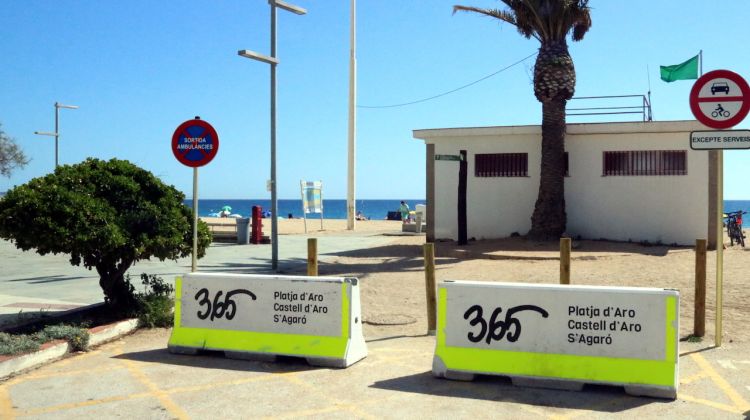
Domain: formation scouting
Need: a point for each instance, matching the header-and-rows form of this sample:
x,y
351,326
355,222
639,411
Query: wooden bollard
x,y
699,318
429,277
564,260
312,256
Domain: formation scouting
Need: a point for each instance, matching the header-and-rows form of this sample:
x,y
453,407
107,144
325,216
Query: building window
x,y
501,165
645,162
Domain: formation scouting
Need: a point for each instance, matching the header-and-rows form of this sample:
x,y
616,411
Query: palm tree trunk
x,y
549,219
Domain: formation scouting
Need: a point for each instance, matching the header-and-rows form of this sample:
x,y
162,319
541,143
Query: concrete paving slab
x,y
41,393
138,408
136,377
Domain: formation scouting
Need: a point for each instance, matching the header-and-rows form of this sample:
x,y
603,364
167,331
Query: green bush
x,y
156,311
17,344
77,337
155,304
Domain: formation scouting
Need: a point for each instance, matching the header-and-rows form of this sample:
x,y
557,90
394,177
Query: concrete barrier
x,y
260,317
560,336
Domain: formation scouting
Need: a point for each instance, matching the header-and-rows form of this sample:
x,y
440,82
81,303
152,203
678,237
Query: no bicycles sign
x,y
720,99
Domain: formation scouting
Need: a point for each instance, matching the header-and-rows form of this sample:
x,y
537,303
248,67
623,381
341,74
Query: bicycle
x,y
734,227
716,114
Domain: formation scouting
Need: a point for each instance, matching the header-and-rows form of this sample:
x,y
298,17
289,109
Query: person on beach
x,y
404,210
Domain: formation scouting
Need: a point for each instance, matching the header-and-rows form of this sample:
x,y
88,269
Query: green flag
x,y
684,71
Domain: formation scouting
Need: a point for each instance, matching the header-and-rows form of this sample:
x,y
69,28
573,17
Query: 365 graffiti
x,y
496,330
218,308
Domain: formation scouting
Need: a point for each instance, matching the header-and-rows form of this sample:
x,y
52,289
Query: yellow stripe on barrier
x,y
563,366
258,342
177,302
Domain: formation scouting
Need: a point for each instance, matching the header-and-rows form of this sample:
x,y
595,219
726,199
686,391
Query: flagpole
x,y
648,76
700,60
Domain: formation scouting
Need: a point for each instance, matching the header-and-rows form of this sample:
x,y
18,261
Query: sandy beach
x,y
297,226
393,291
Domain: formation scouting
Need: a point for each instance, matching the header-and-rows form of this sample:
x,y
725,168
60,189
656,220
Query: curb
x,y
54,350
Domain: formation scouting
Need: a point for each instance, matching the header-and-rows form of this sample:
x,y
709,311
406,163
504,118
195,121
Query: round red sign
x,y
195,143
720,99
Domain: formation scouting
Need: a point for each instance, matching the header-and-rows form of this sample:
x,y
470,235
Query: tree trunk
x,y
549,219
117,293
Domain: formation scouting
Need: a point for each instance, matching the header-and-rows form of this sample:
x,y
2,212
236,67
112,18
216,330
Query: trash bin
x,y
243,231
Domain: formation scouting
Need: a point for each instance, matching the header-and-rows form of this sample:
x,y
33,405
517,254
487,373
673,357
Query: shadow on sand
x,y
519,248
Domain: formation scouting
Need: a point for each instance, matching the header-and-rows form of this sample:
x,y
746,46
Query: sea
x,y
336,209
332,209
735,205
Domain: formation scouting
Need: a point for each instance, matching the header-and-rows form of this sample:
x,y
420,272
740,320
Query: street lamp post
x,y
352,145
273,61
56,134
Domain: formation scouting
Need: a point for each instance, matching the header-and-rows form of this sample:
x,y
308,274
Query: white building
x,y
637,181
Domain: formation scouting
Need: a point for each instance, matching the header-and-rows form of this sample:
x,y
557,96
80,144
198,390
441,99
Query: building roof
x,y
576,129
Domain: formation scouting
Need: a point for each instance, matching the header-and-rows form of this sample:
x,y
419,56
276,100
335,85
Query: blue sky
x,y
138,69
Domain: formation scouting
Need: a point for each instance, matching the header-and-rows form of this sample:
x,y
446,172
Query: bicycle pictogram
x,y
720,112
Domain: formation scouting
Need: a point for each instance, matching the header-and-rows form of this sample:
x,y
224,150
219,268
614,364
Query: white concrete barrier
x,y
560,336
260,317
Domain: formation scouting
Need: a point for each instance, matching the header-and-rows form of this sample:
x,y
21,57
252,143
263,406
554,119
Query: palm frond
x,y
503,15
495,13
529,9
545,20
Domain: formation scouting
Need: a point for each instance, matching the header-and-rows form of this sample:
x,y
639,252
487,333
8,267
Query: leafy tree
x,y
106,215
11,156
549,21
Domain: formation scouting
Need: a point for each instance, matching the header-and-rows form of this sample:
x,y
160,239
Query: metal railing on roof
x,y
644,108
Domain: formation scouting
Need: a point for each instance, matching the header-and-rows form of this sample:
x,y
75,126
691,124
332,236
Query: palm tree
x,y
549,21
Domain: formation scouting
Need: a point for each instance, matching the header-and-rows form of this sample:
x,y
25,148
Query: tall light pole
x,y
273,62
351,205
56,134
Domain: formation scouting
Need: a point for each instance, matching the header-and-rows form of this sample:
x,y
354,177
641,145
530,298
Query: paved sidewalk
x,y
135,377
31,283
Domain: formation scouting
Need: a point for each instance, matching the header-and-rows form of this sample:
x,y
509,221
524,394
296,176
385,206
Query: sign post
x,y
312,199
720,99
194,144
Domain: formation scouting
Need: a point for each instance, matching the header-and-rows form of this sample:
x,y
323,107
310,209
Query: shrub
x,y
155,303
17,344
77,337
156,311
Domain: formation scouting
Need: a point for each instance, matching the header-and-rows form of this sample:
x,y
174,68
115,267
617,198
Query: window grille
x,y
501,165
645,162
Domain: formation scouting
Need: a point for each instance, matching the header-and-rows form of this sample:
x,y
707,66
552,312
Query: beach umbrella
x,y
226,208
